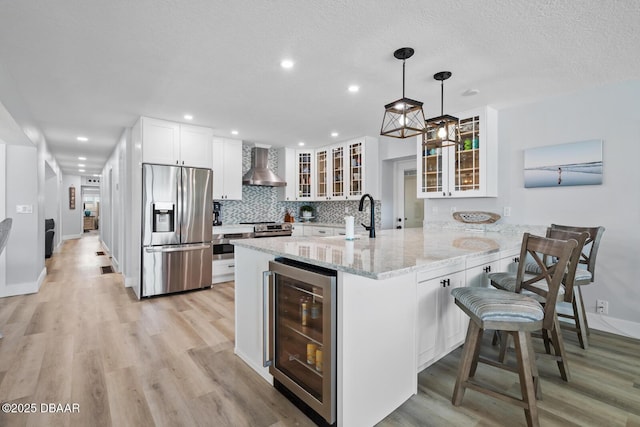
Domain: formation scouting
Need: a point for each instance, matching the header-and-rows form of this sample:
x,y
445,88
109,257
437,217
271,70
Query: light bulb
x,y
442,132
402,120
400,106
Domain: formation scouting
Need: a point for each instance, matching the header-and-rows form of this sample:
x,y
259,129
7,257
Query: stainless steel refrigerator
x,y
176,229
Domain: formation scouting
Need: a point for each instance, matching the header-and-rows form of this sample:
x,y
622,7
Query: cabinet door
x,y
478,275
466,163
227,169
305,175
233,169
323,173
196,146
355,166
428,321
287,170
338,179
432,171
453,320
217,164
160,141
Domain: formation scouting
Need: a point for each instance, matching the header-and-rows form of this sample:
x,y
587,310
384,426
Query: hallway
x,y
85,339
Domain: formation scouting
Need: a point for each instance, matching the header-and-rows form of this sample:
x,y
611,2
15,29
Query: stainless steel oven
x,y
222,249
300,335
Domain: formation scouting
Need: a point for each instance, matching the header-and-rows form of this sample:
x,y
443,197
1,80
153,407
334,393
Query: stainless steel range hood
x,y
259,173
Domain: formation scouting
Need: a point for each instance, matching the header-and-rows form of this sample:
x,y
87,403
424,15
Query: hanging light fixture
x,y
403,118
445,127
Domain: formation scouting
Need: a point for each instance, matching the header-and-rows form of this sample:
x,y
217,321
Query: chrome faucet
x,y
372,227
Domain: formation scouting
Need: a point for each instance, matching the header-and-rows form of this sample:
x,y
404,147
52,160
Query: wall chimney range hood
x,y
259,173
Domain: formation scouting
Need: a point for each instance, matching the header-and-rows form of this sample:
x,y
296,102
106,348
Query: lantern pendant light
x,y
403,118
444,128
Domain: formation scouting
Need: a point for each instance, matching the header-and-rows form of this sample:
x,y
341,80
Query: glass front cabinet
x,y
467,169
347,170
297,167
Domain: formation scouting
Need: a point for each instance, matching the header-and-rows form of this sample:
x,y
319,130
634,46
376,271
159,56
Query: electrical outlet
x,y
602,306
506,211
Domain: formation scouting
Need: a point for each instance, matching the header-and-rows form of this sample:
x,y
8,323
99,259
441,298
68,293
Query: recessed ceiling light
x,y
82,158
188,117
334,134
96,174
80,165
470,92
234,132
80,170
301,143
354,88
286,64
82,138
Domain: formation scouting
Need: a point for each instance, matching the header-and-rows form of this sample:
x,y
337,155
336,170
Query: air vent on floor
x,y
107,269
100,253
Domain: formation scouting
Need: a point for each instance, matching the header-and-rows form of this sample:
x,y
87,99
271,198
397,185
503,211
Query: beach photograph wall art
x,y
574,163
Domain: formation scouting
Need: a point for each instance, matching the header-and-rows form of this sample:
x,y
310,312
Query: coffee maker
x,y
217,208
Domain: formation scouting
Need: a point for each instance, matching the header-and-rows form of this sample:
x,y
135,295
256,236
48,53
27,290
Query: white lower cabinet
x,y
314,230
478,269
297,230
223,270
441,324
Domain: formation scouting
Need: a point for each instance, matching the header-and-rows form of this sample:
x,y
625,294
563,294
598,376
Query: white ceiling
x,y
92,67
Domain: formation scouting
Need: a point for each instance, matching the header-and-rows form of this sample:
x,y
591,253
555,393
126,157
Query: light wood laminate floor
x,y
85,339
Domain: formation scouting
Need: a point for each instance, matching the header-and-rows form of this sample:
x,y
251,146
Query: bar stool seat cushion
x,y
507,282
582,275
498,305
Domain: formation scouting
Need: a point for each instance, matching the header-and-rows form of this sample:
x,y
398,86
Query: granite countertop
x,y
392,252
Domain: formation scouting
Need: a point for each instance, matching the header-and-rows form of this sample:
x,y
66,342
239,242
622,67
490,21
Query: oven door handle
x,y
266,362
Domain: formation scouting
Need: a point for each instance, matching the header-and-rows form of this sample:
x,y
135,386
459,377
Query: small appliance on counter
x,y
217,210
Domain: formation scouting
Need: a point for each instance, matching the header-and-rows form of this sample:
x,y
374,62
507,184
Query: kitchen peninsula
x,y
395,315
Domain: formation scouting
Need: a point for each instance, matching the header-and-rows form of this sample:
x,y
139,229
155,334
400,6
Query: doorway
x,y
409,209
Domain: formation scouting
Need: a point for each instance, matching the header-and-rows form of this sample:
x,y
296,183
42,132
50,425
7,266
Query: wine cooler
x,y
300,334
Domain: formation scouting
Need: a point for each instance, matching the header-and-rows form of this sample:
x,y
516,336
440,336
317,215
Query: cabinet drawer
x,y
223,270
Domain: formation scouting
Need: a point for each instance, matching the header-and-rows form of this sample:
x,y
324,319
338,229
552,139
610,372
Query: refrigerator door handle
x,y
266,362
177,248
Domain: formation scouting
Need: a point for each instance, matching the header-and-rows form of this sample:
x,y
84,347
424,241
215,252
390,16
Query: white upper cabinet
x,y
227,169
297,168
170,143
468,169
347,170
196,146
160,141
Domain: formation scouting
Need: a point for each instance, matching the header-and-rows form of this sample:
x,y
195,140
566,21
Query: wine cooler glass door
x,y
302,343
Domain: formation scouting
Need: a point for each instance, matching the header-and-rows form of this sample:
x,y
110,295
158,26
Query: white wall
x,y
24,260
112,214
71,218
609,113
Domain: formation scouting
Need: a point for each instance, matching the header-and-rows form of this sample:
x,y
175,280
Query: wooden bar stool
x,y
517,315
535,286
584,276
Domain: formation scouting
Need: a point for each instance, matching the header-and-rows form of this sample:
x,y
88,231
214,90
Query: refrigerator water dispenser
x,y
163,215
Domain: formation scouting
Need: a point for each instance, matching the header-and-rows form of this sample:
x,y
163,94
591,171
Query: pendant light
x,y
403,118
444,127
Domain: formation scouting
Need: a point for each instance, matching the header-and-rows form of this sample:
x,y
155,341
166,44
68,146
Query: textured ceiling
x,y
92,67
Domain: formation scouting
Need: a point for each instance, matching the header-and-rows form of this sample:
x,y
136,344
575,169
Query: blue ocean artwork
x,y
552,166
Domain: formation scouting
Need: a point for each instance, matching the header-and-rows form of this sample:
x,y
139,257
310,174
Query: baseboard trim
x,y
71,236
264,373
612,325
13,289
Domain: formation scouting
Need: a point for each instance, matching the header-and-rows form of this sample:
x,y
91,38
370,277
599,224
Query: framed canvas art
x,y
574,163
